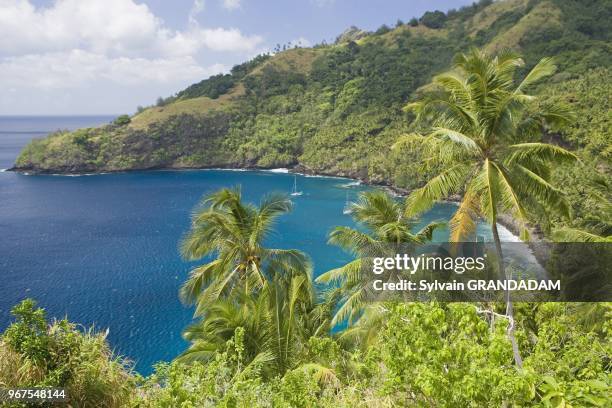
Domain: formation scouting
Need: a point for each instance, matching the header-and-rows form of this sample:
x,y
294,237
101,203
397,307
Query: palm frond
x,y
351,272
490,196
199,351
441,186
376,208
261,359
540,151
556,115
199,278
544,68
408,140
214,290
463,222
351,240
426,233
567,234
456,85
510,199
552,198
289,261
351,306
459,139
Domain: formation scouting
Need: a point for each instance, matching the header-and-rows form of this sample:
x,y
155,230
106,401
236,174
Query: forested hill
x,y
337,108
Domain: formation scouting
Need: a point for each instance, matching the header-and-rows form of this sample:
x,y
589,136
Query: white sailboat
x,y
295,191
347,206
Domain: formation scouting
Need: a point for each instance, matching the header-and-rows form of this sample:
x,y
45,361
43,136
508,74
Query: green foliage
x,y
34,353
272,81
423,354
212,87
454,356
175,142
161,101
433,19
28,336
383,29
122,120
450,356
220,84
226,380
587,183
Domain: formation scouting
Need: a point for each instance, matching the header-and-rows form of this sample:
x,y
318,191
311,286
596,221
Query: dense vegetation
x,y
36,353
262,334
425,355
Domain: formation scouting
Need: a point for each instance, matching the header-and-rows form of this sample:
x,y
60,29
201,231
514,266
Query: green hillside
x,y
337,109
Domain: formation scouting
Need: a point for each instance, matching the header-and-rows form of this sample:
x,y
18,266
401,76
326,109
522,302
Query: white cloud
x,y
94,56
82,82
220,39
66,70
231,4
119,27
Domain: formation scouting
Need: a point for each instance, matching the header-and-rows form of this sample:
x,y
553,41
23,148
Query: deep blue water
x,y
102,249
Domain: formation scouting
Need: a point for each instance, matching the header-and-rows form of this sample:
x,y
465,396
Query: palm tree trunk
x,y
509,307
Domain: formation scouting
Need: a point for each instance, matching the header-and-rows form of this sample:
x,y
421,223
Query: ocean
x,y
103,249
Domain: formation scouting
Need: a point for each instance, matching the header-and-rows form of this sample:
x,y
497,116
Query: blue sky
x,y
108,56
280,21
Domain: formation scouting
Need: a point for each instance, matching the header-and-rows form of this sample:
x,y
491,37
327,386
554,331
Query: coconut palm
x,y
388,230
484,136
266,292
277,324
232,233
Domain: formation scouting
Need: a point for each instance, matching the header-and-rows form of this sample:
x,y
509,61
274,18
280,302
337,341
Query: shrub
x,y
122,120
34,353
433,19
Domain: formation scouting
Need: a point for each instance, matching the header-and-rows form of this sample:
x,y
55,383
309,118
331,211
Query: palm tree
x,y
277,324
266,292
388,230
484,134
233,232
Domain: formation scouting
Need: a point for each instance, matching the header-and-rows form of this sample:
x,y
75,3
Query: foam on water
x,y
279,170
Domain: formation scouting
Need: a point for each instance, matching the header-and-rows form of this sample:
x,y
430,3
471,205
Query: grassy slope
x,y
299,60
193,106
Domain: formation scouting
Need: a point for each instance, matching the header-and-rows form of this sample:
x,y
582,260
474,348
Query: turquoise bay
x,y
102,249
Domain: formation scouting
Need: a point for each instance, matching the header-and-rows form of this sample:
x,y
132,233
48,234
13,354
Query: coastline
x,y
505,220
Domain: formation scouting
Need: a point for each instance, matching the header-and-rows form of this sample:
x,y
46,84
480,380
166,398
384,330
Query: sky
x,y
87,57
